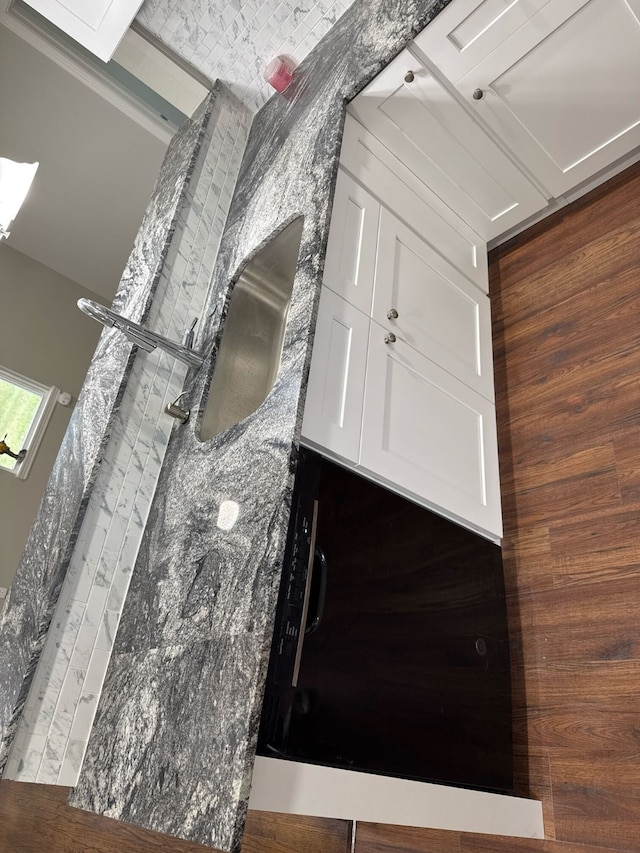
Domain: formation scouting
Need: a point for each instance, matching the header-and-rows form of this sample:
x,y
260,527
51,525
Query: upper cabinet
x,y
415,115
99,25
556,81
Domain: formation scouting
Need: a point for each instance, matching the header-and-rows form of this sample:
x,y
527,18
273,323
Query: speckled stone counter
x,y
34,592
174,740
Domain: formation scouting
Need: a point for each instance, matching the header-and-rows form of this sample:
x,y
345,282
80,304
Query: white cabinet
x,y
415,412
426,430
99,26
335,393
375,167
558,82
429,305
413,113
350,263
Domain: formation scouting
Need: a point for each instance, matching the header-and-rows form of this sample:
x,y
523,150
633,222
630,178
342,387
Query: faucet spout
x,y
141,337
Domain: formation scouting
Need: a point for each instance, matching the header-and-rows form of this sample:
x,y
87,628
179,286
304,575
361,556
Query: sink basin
x,y
251,347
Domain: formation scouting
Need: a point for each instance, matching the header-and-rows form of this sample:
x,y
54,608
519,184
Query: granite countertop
x,y
173,744
27,614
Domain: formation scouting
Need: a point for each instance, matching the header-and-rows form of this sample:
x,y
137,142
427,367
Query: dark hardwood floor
x,y
566,303
566,312
37,819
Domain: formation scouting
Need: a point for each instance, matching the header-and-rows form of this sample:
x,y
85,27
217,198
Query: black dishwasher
x,y
391,647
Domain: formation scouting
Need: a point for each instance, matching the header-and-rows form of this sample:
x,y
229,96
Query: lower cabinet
x,y
428,304
335,393
376,403
401,377
430,434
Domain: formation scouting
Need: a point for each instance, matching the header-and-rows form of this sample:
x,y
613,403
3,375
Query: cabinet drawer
x,y
430,434
351,249
439,312
333,409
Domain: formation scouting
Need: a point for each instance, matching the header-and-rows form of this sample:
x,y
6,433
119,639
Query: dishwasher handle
x,y
318,590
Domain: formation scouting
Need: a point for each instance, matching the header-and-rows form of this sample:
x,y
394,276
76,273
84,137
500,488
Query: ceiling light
x,y
15,180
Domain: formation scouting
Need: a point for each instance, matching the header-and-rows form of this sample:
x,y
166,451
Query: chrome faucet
x,y
143,338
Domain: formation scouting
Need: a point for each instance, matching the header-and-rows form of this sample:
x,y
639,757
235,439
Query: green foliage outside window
x,y
18,407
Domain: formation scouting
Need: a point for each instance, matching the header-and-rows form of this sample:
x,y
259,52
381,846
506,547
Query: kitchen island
x,y
174,739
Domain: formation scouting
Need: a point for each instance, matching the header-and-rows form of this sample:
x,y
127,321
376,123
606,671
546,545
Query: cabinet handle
x,y
392,314
389,338
478,95
409,77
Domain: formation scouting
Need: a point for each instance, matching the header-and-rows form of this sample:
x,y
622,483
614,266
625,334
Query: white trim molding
x,y
291,787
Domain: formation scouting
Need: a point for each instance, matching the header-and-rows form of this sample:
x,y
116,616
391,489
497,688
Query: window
x,y
25,409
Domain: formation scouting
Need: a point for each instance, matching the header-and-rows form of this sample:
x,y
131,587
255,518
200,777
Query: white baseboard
x,y
294,788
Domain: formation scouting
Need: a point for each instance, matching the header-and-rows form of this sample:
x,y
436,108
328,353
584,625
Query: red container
x,y
279,72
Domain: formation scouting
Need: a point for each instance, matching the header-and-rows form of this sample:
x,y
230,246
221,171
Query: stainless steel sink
x,y
249,355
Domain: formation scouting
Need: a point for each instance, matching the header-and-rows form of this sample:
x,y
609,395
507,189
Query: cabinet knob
x,y
478,95
409,77
389,338
392,314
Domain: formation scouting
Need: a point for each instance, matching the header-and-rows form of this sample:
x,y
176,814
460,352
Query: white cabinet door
x,y
563,90
396,186
98,25
333,408
416,116
466,31
430,434
351,249
439,312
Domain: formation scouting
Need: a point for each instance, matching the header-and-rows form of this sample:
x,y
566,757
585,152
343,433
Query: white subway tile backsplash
x,y
49,766
119,587
107,562
30,755
95,606
54,750
96,671
72,762
85,642
83,717
15,761
43,705
107,630
67,704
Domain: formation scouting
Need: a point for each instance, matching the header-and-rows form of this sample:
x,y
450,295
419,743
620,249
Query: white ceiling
x,y
97,168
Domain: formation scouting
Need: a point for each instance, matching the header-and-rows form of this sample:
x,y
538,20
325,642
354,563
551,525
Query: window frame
x,y
50,398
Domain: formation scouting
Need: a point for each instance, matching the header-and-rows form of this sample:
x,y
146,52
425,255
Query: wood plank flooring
x,y
566,303
37,819
566,314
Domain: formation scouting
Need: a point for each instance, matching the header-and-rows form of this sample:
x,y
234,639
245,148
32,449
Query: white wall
x,y
97,168
55,726
45,337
